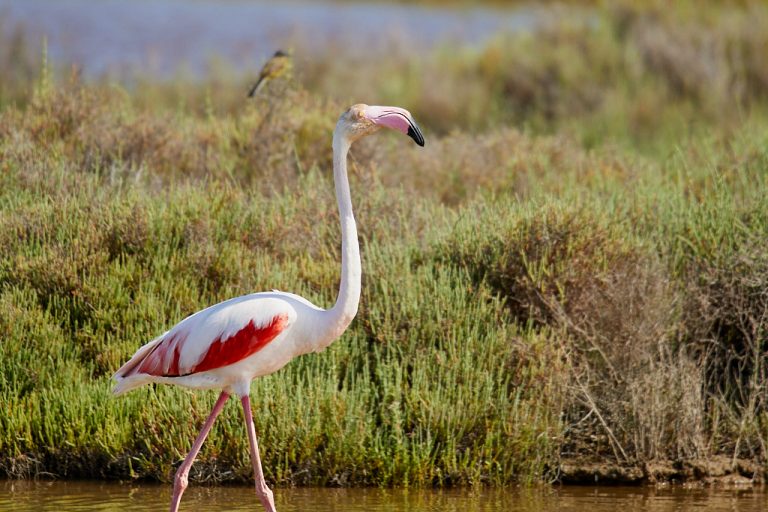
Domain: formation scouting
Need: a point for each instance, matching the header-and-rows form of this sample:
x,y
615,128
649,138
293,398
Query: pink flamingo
x,y
227,345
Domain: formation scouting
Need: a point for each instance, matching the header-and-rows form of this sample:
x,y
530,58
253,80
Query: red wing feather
x,y
158,362
245,342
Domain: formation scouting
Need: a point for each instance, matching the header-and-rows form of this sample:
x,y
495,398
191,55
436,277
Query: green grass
x,y
86,279
591,287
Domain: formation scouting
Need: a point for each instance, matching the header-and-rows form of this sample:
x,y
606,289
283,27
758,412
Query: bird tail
x,y
126,379
256,87
126,384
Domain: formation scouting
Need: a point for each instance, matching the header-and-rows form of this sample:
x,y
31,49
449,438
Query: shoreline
x,y
715,471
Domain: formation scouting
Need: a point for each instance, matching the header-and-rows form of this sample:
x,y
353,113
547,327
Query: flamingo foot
x,y
267,498
181,480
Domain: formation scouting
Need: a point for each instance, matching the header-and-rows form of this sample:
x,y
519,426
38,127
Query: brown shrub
x,y
128,233
631,392
726,324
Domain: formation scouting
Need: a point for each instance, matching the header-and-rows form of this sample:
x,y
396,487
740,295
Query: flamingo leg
x,y
262,491
181,480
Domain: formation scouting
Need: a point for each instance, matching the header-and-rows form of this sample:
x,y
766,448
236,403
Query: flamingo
x,y
229,344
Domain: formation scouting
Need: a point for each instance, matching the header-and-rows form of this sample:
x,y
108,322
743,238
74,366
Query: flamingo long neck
x,y
345,309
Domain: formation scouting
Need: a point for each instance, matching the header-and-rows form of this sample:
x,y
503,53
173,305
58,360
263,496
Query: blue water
x,y
160,37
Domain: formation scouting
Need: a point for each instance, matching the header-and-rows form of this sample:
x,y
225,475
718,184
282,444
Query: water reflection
x,y
98,496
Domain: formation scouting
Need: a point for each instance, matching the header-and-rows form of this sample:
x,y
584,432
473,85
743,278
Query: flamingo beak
x,y
415,133
397,119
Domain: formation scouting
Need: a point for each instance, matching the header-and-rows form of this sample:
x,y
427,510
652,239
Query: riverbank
x,y
710,472
592,286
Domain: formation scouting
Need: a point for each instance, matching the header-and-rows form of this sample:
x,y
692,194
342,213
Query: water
x,y
159,36
96,496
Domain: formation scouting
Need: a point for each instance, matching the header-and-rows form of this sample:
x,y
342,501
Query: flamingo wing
x,y
213,338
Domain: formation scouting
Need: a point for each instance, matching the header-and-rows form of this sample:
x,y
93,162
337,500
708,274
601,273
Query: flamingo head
x,y
361,120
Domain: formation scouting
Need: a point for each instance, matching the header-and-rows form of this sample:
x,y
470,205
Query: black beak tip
x,y
415,134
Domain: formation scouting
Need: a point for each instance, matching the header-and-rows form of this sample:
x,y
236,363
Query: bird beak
x,y
396,118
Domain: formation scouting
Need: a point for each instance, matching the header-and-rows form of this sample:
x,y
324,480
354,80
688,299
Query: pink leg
x,y
181,480
262,491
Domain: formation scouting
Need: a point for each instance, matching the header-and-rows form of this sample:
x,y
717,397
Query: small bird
x,y
229,344
280,64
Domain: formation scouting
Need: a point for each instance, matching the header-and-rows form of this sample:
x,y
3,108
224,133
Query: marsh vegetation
x,y
572,274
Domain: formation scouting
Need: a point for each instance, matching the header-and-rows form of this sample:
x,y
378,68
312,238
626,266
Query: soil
x,y
716,471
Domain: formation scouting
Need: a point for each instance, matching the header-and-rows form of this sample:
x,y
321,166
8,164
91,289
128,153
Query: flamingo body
x,y
228,344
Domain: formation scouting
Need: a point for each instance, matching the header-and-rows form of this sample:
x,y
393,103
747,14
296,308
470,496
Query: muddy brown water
x,y
98,496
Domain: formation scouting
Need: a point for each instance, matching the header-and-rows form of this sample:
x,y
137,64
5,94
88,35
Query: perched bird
x,y
227,345
277,66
